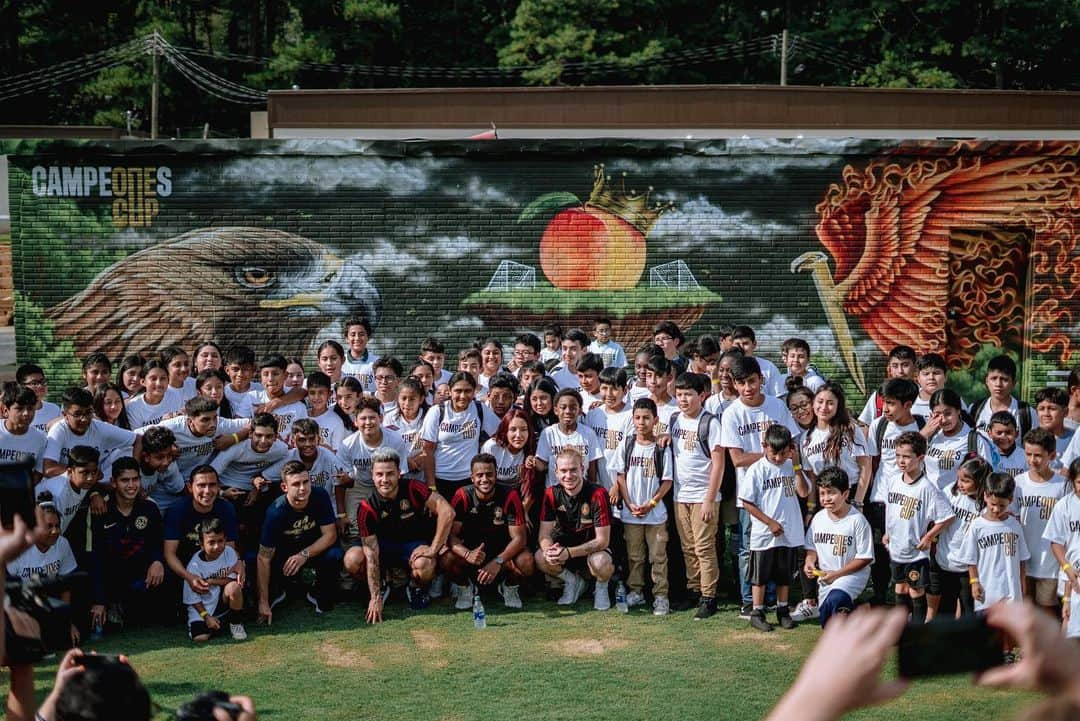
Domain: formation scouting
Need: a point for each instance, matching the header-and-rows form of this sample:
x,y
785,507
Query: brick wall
x,y
854,245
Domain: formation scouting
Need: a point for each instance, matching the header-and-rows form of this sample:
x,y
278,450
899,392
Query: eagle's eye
x,y
252,276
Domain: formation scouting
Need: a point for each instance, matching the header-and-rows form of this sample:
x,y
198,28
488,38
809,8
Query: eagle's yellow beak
x,y
298,299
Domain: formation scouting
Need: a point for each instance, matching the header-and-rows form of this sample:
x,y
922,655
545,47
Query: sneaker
x,y
278,600
783,617
418,597
805,611
319,609
573,587
660,606
706,608
238,632
635,598
438,586
601,598
464,595
510,595
757,620
746,611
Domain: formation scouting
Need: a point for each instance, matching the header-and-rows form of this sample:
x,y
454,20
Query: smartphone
x,y
97,660
949,646
17,493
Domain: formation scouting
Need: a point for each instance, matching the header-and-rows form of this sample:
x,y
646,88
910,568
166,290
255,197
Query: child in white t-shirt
x,y
568,433
995,550
795,353
208,612
839,547
1052,408
950,439
949,585
1007,455
612,422
643,476
768,492
158,400
1063,532
901,364
610,352
912,505
331,420
272,375
48,558
1038,490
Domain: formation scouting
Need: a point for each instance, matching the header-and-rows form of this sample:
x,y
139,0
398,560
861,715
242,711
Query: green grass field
x,y
544,662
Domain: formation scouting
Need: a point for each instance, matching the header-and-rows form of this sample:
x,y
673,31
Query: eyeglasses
x,y
800,407
37,384
385,379
662,338
81,415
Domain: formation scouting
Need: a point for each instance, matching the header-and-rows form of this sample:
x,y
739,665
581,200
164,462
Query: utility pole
x,y
154,89
783,57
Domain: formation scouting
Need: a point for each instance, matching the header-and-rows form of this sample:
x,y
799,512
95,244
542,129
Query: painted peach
x,y
590,248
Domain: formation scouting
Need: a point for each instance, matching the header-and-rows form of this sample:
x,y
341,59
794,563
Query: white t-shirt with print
x,y
355,455
56,560
1034,502
285,416
23,449
197,450
813,452
966,510
507,464
772,489
66,498
944,454
996,549
100,435
220,567
238,465
642,481
456,436
332,429
553,441
43,415
692,467
838,542
887,470
323,471
743,426
1064,529
910,510
141,413
611,429
611,352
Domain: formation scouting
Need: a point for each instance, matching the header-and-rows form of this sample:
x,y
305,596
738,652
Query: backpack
x,y
704,421
1022,408
481,433
879,433
658,455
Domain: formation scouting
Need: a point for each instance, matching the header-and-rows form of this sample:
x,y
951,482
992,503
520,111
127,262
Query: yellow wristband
x,y
797,467
973,581
652,503
236,438
203,613
1065,567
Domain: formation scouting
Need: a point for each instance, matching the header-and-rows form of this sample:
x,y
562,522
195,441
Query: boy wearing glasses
x,y
80,428
388,371
33,377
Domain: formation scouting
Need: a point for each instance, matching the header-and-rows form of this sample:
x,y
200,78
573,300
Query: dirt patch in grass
x,y
586,647
427,641
337,657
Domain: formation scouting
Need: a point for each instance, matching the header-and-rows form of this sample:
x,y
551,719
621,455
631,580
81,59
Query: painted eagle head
x,y
267,289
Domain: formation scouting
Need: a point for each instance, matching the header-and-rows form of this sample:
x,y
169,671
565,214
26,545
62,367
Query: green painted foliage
x,y
35,339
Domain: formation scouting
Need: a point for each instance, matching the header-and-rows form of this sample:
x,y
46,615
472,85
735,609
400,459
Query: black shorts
x,y
198,627
915,574
933,587
772,564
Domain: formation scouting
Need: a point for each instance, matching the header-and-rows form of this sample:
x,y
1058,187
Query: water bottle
x,y
620,598
479,620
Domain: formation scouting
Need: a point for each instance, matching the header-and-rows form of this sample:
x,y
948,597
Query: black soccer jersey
x,y
577,517
399,519
487,521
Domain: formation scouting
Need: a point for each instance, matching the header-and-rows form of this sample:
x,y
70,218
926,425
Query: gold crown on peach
x,y
633,207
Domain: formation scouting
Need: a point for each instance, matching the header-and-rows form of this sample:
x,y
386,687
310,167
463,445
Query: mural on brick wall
x,y
854,245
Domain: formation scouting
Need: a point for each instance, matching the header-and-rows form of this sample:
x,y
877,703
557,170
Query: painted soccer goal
x,y
673,275
512,276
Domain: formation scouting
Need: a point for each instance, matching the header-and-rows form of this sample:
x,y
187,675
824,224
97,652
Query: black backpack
x,y
658,456
703,422
481,434
1022,408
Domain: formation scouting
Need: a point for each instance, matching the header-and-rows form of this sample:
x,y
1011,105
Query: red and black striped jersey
x,y
401,518
576,518
487,521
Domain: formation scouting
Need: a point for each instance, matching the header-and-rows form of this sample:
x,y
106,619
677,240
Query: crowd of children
x,y
216,489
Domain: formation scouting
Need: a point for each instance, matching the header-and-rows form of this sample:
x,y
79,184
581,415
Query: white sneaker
x,y
573,587
238,632
635,598
438,586
805,611
661,606
601,598
511,597
464,597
